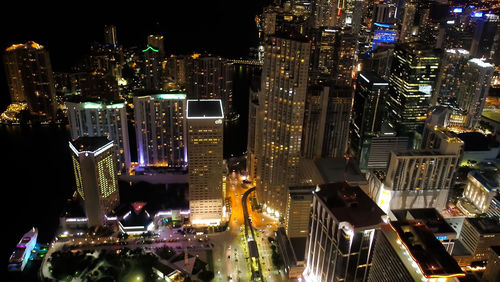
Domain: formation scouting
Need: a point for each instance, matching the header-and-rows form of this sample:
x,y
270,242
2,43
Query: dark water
x,y
36,178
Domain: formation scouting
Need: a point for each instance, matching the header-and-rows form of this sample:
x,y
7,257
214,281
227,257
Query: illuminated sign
x,y
458,10
441,238
477,14
150,48
384,36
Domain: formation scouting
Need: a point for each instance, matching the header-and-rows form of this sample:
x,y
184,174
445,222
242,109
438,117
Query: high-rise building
x,y
477,235
368,109
474,89
254,127
413,73
30,78
375,151
110,36
94,165
409,251
281,102
298,211
102,119
160,129
156,42
204,120
326,121
151,69
486,32
340,242
450,77
212,78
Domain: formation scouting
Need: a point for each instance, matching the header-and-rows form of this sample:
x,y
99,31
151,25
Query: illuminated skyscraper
x,y
486,33
160,129
413,73
212,78
205,125
474,88
101,119
156,42
281,102
151,69
368,110
94,164
110,36
344,226
30,78
450,77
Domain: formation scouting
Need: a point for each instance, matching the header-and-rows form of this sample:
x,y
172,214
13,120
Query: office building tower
x,y
326,121
477,236
413,73
94,165
368,109
110,36
281,102
102,119
151,69
156,42
160,130
424,169
407,24
212,78
298,211
450,77
324,14
474,89
30,78
175,70
343,229
375,151
408,251
204,120
486,33
480,189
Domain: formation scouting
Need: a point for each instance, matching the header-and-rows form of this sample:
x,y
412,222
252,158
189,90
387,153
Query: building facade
x,y
94,164
204,121
160,129
101,119
30,78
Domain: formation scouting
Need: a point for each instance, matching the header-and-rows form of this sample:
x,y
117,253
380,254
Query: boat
x,y
22,253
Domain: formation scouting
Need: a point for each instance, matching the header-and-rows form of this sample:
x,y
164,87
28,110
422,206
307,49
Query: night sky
x,y
225,28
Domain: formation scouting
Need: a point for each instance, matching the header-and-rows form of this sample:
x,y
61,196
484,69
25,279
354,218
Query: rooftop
x,y
336,170
430,255
372,78
350,204
29,44
485,225
204,109
429,216
90,144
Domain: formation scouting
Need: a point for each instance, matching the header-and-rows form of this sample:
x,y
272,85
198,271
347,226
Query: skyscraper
x,y
212,78
160,129
102,119
281,102
204,141
326,121
368,109
474,89
483,41
94,165
450,77
30,78
151,69
343,231
156,42
110,36
413,73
